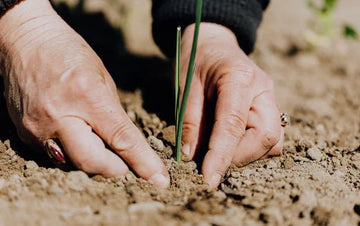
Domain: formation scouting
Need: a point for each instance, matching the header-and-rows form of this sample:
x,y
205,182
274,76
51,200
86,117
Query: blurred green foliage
x,y
350,32
325,19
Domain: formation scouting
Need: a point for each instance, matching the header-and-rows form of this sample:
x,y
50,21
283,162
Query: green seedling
x,y
325,26
177,78
325,16
180,108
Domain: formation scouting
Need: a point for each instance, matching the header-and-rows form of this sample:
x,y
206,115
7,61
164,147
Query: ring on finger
x,y
285,119
54,151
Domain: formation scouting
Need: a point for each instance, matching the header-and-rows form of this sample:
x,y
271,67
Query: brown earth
x,y
315,182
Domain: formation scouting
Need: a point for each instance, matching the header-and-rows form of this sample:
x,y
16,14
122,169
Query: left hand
x,y
246,116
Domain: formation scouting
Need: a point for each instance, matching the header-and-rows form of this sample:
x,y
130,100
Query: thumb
x,y
127,141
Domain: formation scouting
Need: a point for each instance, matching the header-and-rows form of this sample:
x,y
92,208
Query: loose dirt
x,y
315,182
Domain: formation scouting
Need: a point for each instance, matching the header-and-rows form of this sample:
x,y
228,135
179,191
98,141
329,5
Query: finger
x,y
264,131
231,113
87,151
122,135
277,149
192,119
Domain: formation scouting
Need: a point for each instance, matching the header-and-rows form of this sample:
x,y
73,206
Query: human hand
x,y
246,123
57,87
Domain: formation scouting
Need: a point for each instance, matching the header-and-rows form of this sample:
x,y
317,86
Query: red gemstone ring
x,y
54,151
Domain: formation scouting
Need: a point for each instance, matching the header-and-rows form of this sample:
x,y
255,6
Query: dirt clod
x,y
315,154
168,134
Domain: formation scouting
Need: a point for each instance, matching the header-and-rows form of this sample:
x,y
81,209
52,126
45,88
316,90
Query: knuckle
x,y
238,75
123,138
190,126
234,124
269,139
83,84
47,109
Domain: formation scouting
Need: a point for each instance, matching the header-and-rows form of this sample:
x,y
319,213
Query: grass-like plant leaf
x,y
189,77
177,77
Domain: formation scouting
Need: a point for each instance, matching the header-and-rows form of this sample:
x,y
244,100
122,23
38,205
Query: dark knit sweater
x,y
241,16
6,4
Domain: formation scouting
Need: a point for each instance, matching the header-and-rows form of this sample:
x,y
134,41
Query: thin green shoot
x,y
177,78
189,76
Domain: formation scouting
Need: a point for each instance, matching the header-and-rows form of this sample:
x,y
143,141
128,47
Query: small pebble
x,y
315,154
156,143
247,173
248,182
321,144
355,157
220,195
271,164
191,165
338,173
130,178
306,144
297,158
31,165
356,165
320,128
78,180
288,163
10,152
168,134
2,147
7,144
235,174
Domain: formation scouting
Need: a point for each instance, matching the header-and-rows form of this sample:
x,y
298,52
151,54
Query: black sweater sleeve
x,y
6,4
241,16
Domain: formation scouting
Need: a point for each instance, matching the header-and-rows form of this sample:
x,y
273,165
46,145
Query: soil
x,y
315,182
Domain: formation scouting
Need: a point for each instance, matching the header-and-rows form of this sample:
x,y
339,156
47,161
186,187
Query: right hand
x,y
57,87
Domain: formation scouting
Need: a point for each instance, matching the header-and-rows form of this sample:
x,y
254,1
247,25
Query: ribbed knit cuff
x,y
7,4
241,16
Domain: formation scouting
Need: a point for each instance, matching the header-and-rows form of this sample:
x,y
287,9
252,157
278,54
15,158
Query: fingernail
x,y
186,149
215,180
160,180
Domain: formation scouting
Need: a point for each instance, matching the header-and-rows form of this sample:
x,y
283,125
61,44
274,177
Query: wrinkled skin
x,y
57,87
246,124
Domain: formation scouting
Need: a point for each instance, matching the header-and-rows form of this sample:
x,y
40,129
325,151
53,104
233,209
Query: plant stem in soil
x,y
177,77
189,77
